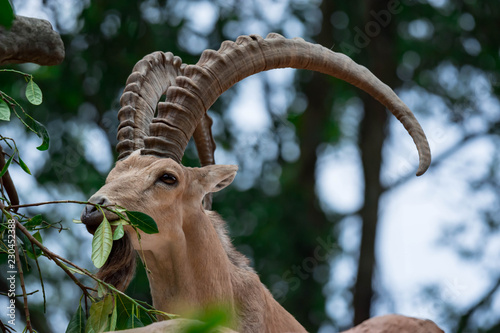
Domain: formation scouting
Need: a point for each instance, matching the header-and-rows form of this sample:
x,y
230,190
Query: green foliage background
x,y
273,211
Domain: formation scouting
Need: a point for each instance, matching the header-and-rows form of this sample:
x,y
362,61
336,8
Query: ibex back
x,y
191,260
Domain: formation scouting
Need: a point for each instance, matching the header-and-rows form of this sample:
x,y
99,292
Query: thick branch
x,y
371,142
7,183
30,40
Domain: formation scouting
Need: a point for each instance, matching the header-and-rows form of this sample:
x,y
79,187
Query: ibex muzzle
x,y
92,215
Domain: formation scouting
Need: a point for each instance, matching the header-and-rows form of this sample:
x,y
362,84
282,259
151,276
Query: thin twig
x,y
54,257
17,72
41,278
58,259
464,320
438,160
107,207
48,203
21,277
27,294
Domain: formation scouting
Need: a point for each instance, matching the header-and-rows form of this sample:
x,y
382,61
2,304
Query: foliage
x,y
110,309
34,96
6,14
434,51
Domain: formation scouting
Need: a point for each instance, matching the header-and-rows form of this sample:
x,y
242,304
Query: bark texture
x,y
30,40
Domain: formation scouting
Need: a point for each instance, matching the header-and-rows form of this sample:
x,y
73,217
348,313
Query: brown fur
x,y
119,269
396,324
192,263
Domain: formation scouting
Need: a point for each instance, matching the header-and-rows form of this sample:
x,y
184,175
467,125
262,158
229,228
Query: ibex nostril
x,y
91,215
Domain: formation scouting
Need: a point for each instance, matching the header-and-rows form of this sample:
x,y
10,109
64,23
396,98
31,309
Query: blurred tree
x,y
440,50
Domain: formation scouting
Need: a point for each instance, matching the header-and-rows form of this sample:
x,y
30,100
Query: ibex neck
x,y
194,272
191,270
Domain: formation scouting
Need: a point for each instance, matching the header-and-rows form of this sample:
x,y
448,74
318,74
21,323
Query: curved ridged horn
x,y
203,138
205,145
150,79
217,71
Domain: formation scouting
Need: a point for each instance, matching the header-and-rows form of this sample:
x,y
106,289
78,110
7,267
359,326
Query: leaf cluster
x,y
34,95
111,309
6,14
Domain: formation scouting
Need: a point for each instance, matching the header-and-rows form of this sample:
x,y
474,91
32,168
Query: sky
x,y
413,216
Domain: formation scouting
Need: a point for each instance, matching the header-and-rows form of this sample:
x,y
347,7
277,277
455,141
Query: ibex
x,y
192,263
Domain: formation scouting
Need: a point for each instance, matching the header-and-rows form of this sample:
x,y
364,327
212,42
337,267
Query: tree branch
x,y
464,320
23,287
57,259
437,160
30,40
7,182
51,203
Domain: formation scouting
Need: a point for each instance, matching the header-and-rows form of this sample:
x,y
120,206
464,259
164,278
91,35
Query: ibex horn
x,y
150,79
216,71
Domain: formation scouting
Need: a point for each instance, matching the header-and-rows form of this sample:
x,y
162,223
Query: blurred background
x,y
326,204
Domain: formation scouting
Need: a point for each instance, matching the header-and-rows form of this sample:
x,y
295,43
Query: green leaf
x,y
119,222
142,221
125,309
6,14
102,290
35,221
30,247
74,270
99,315
41,131
102,243
6,166
4,110
77,322
112,322
134,322
24,166
119,232
209,321
38,237
34,93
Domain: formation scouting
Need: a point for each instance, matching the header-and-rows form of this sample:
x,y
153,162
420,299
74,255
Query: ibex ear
x,y
214,178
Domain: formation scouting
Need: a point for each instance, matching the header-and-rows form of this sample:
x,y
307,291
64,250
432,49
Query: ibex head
x,y
148,176
159,187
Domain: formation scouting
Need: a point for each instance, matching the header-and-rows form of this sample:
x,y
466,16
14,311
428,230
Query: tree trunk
x,y
317,89
382,62
30,40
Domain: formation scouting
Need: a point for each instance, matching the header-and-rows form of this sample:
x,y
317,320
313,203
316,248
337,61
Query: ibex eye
x,y
168,179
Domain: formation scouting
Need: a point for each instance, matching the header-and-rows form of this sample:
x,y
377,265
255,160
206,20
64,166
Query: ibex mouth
x,y
93,216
